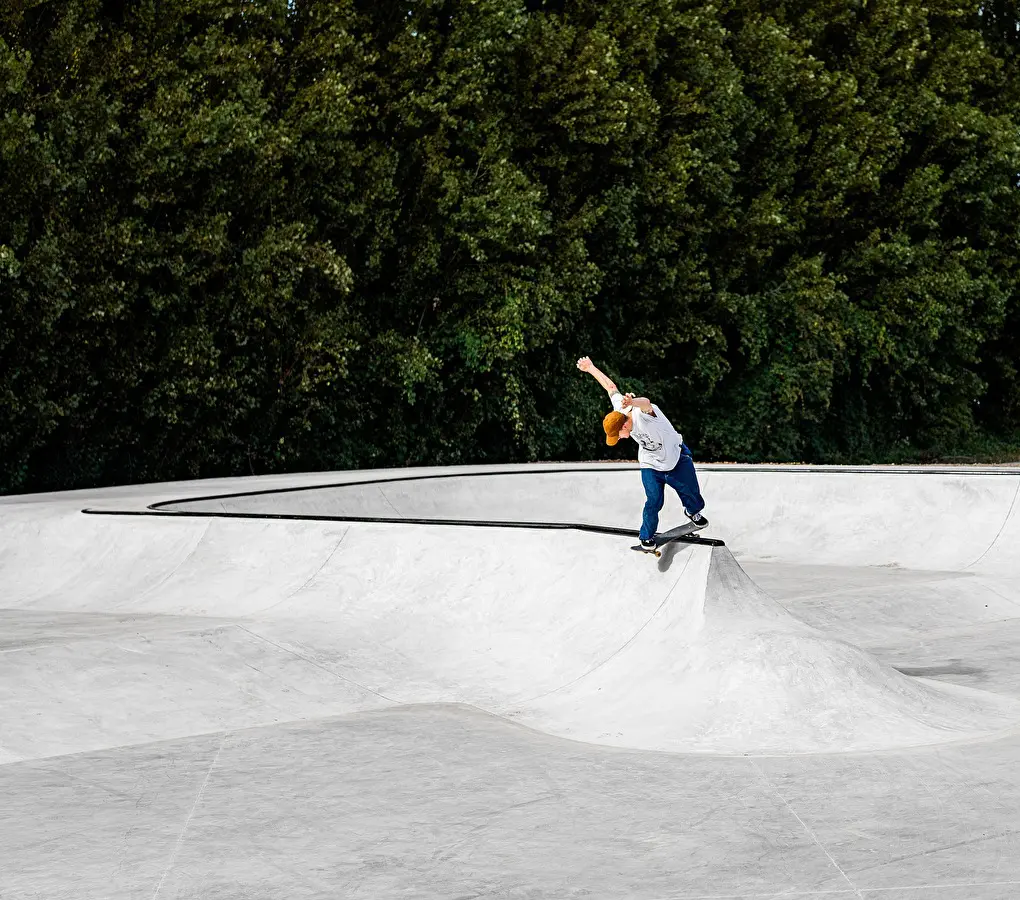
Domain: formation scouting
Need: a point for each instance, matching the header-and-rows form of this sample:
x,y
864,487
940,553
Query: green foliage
x,y
290,235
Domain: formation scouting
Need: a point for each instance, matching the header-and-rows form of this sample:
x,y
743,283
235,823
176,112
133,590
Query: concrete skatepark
x,y
461,683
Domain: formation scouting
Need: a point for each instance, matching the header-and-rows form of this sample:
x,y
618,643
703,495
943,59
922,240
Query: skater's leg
x,y
655,496
684,480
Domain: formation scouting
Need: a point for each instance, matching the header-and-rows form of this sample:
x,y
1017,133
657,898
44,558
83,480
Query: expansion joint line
x,y
191,815
998,534
292,652
620,649
804,825
310,578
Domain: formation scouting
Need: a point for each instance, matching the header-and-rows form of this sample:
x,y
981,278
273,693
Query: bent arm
x,y
642,403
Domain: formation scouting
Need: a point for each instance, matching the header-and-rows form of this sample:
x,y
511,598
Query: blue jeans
x,y
682,478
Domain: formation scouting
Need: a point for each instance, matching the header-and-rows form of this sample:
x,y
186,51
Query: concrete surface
x,y
211,706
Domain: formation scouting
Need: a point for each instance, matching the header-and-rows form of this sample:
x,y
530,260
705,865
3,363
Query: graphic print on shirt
x,y
648,444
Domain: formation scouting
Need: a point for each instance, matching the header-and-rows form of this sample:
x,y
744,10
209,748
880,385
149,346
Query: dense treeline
x,y
258,235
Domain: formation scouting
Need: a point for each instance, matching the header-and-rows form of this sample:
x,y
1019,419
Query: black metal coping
x,y
159,508
390,520
586,470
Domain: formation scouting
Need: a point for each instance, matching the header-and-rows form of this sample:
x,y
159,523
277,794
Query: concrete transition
x,y
259,688
124,629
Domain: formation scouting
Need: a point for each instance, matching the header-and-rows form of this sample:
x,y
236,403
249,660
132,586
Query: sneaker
x,y
698,520
648,545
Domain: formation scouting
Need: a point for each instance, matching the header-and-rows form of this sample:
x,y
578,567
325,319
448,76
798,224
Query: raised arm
x,y
586,365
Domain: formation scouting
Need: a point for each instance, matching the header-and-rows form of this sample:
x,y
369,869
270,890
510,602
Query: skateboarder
x,y
662,453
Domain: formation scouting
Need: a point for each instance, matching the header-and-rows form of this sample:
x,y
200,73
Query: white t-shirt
x,y
658,441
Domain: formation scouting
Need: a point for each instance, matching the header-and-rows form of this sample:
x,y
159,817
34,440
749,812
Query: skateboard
x,y
682,533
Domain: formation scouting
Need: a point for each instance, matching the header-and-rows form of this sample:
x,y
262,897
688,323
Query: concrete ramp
x,y
724,669
257,706
130,629
176,627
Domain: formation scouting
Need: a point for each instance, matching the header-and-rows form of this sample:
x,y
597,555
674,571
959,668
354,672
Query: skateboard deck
x,y
685,534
